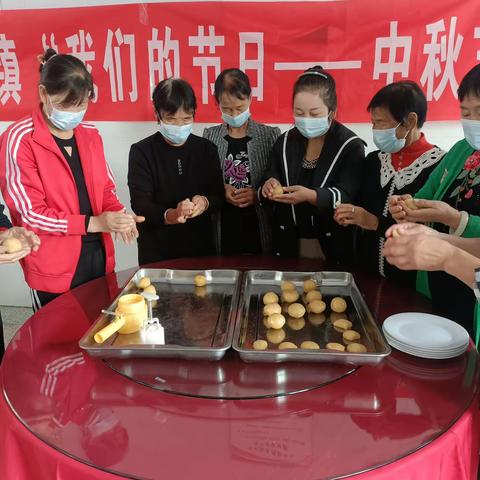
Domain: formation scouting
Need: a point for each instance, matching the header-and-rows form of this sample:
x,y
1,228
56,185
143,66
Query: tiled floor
x,y
13,318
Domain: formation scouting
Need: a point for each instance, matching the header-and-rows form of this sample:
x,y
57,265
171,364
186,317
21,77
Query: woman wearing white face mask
x,y
56,183
401,166
318,163
243,146
450,202
175,180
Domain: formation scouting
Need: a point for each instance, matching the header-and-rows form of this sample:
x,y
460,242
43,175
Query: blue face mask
x,y
238,120
65,120
176,134
387,141
471,130
312,127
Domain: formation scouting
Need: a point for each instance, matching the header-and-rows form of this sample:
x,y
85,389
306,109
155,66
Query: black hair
x,y
65,74
470,83
400,99
316,79
174,93
233,82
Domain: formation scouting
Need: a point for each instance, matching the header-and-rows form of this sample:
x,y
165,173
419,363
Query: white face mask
x,y
471,130
312,127
176,134
63,119
386,139
238,120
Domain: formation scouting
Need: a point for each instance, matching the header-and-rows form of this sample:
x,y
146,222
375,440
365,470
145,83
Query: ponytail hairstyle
x,y
65,75
318,80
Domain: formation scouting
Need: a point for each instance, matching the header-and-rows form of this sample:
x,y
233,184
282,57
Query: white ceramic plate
x,y
391,340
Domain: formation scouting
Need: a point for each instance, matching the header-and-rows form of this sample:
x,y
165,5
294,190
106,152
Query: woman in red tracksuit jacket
x,y
56,182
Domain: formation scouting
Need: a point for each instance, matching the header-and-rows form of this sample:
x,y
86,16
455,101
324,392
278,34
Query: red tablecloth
x,y
408,418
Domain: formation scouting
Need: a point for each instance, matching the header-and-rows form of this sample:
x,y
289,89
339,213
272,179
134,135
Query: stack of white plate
x,y
425,335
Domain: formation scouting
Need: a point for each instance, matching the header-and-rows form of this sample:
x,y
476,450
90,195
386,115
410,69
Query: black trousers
x,y
91,265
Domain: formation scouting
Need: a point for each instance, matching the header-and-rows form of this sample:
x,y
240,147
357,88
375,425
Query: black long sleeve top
x,y
4,221
161,175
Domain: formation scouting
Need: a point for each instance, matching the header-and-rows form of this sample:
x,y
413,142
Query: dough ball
x,y
308,345
201,292
296,310
342,325
276,336
317,306
286,345
270,297
411,204
337,316
260,345
313,295
290,296
350,335
271,308
335,346
356,348
12,245
296,323
338,305
316,318
150,289
143,282
276,321
286,285
200,280
395,233
309,285
278,190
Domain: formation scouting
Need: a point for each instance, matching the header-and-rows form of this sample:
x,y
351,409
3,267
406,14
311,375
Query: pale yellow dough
x,y
309,285
12,245
287,285
143,282
260,345
200,280
338,305
335,346
290,296
286,345
350,335
342,325
356,348
271,308
308,345
317,306
276,336
276,321
150,289
313,295
296,310
270,297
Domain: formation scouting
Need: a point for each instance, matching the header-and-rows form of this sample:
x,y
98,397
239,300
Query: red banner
x,y
365,44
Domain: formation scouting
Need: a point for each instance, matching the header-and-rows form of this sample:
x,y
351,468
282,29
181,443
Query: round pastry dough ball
x,y
286,285
276,336
278,190
411,204
296,323
296,310
342,325
271,308
12,245
338,304
317,306
290,296
260,345
309,285
270,297
337,316
150,289
276,321
143,282
309,345
335,346
313,295
201,292
286,345
200,280
316,318
350,335
356,348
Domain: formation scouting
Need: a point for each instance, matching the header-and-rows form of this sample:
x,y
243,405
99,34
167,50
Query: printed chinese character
x,y
113,64
10,85
51,44
200,41
255,38
443,50
476,35
159,61
392,44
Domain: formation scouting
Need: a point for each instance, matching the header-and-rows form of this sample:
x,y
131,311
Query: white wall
x,y
118,136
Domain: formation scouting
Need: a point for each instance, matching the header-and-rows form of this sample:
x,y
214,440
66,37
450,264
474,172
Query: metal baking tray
x,y
249,326
198,321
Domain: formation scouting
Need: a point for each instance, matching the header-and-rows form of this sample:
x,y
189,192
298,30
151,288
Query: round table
x,y
66,415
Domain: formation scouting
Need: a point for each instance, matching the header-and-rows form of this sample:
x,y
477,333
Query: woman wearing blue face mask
x,y
56,183
318,163
401,165
243,146
175,180
450,202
